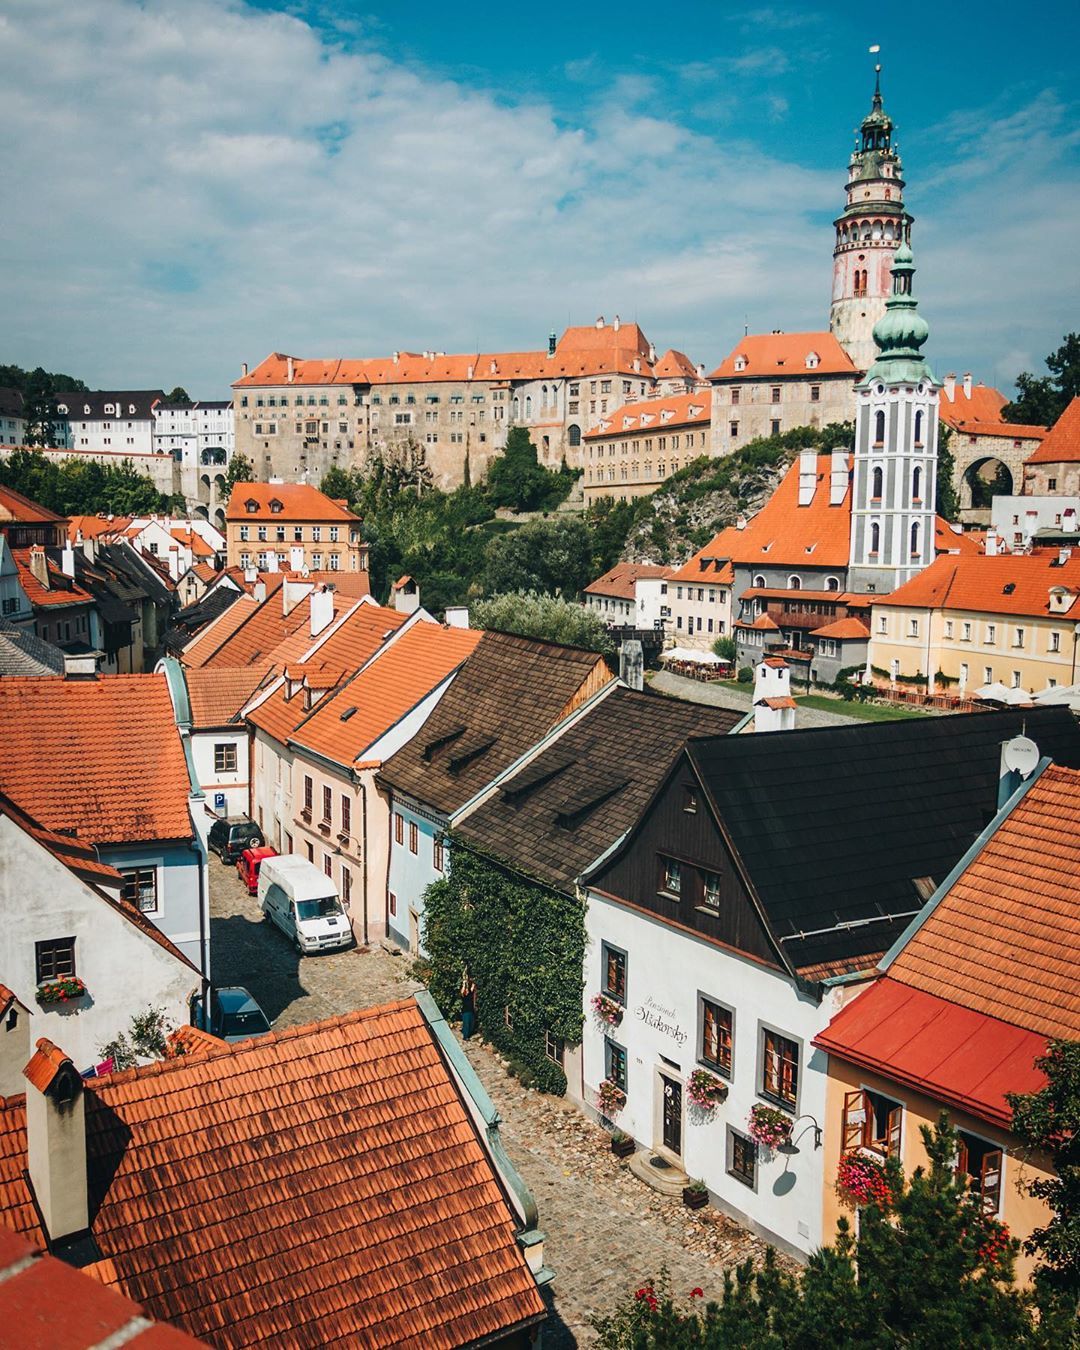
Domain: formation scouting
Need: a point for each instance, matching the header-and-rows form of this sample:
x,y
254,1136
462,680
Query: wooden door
x,y
672,1133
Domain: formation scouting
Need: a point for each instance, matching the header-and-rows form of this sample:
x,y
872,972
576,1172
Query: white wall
x,y
234,785
124,970
672,968
1017,518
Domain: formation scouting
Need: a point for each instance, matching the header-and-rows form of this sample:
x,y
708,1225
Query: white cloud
x,y
193,183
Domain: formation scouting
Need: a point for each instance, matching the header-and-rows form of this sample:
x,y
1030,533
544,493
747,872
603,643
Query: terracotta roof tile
x,y
984,404
1062,444
45,1063
1009,583
299,501
784,355
14,506
675,364
256,632
621,579
316,1185
61,590
101,757
843,629
78,858
218,694
655,414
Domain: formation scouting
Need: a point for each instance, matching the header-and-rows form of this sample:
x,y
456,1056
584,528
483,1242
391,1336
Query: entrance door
x,y
414,930
672,1114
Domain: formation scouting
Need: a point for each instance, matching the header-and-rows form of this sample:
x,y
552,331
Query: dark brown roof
x,y
587,788
506,697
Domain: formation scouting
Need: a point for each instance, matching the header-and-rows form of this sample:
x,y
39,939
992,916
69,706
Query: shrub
x,y
746,675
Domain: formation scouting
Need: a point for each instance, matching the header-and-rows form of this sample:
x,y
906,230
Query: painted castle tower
x,y
873,223
895,469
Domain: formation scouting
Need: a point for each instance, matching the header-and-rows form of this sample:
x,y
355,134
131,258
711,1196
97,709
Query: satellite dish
x,y
1020,755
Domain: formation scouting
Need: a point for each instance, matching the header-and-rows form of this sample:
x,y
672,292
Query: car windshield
x,y
318,909
244,1023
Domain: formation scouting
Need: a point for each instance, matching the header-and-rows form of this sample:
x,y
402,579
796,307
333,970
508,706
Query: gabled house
x,y
507,696
762,882
209,703
1054,468
342,1182
100,759
964,1003
67,919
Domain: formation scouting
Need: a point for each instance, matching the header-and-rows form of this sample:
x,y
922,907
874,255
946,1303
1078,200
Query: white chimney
x,y
599,321
949,385
174,564
396,355
616,323
636,363
469,373
991,542
251,574
38,566
807,476
67,561
56,1142
406,595
967,384
632,664
1064,554
701,370
838,477
292,592
457,616
289,368
740,522
322,609
774,708
243,369
296,557
271,562
259,591
80,666
89,548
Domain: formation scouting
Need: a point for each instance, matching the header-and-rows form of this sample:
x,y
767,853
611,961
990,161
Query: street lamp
x,y
790,1146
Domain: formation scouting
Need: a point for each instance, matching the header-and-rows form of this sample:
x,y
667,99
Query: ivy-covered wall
x,y
524,946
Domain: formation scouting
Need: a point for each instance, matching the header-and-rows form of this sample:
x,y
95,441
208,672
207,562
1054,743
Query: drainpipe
x,y
204,945
364,853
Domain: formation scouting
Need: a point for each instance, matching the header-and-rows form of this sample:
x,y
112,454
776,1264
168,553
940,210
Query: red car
x,y
248,865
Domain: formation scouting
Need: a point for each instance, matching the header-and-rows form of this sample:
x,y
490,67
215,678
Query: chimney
x,y
89,548
289,368
292,592
322,609
494,368
552,341
1064,554
469,372
396,355
967,384
774,708
599,321
80,666
56,1142
174,564
406,595
950,386
807,476
296,557
38,566
615,324
67,561
991,542
740,522
243,369
271,562
251,574
259,591
838,477
637,365
632,664
457,616
701,370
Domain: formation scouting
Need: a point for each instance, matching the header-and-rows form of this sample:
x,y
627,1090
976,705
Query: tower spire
x,y
876,105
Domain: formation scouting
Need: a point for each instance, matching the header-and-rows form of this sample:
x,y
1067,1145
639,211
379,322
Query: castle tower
x,y
873,223
894,482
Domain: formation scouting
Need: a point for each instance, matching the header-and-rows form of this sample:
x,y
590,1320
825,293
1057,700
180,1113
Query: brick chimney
x,y
56,1142
38,566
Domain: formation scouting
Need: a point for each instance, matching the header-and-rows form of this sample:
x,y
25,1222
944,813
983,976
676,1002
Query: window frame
x,y
615,1054
665,862
49,950
733,1135
414,837
766,1030
609,951
223,751
715,1066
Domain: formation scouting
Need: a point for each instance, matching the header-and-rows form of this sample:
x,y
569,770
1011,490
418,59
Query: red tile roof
x,y
90,527
1010,583
784,355
299,501
101,757
983,405
843,630
706,566
217,694
322,1184
620,580
217,632
61,590
1015,430
966,542
1062,444
675,364
45,1063
257,633
655,415
15,507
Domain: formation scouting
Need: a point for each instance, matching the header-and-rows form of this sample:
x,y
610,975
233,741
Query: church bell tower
x,y
872,225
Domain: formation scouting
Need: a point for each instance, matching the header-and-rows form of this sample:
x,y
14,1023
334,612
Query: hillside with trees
x,y
79,486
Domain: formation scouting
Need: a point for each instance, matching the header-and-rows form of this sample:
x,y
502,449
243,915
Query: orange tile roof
x,y
321,1184
675,363
90,527
14,506
216,633
1010,583
1062,444
983,405
620,580
772,355
299,501
256,633
705,565
45,1063
1016,430
1005,939
655,415
967,543
193,540
217,694
61,590
404,672
843,629
101,757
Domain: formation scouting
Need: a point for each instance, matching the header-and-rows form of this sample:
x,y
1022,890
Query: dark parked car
x,y
234,1015
230,835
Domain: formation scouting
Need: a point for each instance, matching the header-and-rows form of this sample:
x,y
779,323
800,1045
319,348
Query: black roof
x,y
507,696
189,620
587,788
834,826
134,404
22,652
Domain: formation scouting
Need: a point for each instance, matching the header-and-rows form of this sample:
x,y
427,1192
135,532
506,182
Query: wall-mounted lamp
x,y
790,1147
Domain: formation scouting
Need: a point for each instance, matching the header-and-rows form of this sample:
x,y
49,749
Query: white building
x,y
118,423
1014,521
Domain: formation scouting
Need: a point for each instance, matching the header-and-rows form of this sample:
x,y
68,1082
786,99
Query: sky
x,y
192,184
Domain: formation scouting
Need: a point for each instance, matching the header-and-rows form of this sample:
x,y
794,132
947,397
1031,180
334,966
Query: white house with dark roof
x,y
119,422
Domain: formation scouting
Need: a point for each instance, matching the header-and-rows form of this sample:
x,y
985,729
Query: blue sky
x,y
193,183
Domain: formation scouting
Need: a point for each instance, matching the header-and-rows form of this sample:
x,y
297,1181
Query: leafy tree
x,y
14,377
145,1039
39,409
341,484
611,522
545,555
724,648
518,480
178,395
1041,399
80,486
947,503
543,616
240,470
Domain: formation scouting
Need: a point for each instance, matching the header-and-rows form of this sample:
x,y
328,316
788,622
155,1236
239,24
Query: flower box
x,y
607,1010
610,1098
622,1145
704,1089
862,1180
696,1195
768,1126
60,991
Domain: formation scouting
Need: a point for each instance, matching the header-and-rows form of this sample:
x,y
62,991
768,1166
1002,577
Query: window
x,y
716,1029
741,1158
328,865
948,628
346,814
670,876
779,1068
1018,640
614,1063
879,427
913,628
437,857
1051,485
882,625
346,887
327,803
876,480
309,790
225,757
710,890
774,427
613,972
733,430
774,394
991,634
815,393
875,538
399,828
55,959
872,1121
988,674
1055,642
311,853
982,1164
413,836
140,888
553,1047
965,632
393,902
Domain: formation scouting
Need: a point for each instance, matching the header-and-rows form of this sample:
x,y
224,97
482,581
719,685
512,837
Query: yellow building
x,y
290,526
965,622
968,999
631,451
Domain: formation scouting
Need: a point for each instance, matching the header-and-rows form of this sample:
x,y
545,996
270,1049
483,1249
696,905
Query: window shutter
x,y
896,1118
961,1159
855,1116
990,1181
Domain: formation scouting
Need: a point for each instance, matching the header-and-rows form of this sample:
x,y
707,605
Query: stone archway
x,y
984,479
971,454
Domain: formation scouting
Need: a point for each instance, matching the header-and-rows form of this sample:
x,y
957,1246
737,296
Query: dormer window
x,y
108,408
740,362
812,361
276,507
131,409
251,506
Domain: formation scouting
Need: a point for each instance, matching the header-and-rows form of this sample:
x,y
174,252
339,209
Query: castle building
x,y
869,229
894,483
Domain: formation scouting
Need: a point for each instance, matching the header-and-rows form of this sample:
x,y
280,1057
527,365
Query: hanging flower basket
x,y
609,1098
862,1180
607,1010
61,991
768,1126
704,1089
996,1243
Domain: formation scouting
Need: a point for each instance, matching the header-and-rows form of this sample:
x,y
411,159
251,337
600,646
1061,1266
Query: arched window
x,y
918,429
879,427
832,583
875,539
573,434
528,405
794,583
916,483
759,580
876,478
915,539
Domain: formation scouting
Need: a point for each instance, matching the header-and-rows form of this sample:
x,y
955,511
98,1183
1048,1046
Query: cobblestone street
x,y
606,1231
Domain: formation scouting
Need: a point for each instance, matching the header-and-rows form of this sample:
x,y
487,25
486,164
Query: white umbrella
x,y
701,658
994,693
1018,698
1067,695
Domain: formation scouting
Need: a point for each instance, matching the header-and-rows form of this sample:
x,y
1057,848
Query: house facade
x,y
119,422
1054,468
631,450
296,524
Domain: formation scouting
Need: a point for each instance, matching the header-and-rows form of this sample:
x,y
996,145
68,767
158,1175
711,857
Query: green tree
x,y
544,555
14,377
543,616
240,470
39,409
145,1039
79,486
343,485
725,649
947,503
610,523
1041,399
178,395
517,479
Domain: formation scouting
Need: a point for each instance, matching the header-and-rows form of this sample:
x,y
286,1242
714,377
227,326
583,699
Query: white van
x,y
301,900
